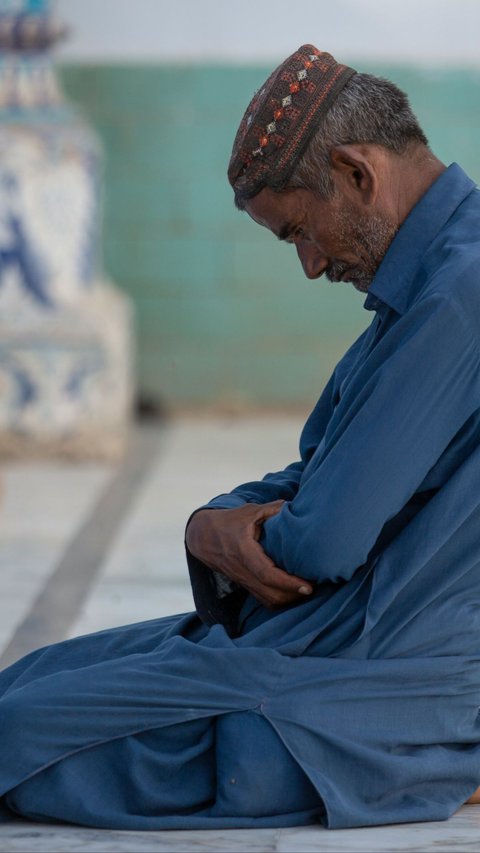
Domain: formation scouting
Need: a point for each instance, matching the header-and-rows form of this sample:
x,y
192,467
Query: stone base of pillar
x,y
66,378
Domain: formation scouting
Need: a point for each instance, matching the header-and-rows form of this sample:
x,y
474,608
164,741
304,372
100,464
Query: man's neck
x,y
411,176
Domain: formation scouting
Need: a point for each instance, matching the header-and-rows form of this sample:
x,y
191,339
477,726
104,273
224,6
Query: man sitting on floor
x,y
332,670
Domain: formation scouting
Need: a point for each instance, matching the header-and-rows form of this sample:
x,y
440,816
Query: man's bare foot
x,y
474,800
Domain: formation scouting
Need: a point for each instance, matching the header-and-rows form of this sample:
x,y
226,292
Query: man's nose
x,y
314,263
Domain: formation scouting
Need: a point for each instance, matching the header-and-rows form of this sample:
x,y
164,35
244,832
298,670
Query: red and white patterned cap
x,y
281,119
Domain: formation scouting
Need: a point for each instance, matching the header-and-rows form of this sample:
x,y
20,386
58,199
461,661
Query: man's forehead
x,y
276,211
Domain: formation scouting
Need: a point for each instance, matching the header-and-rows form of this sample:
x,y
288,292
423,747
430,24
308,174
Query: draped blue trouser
x,y
143,727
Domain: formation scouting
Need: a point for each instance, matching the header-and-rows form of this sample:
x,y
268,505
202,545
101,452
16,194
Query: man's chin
x,y
360,280
361,284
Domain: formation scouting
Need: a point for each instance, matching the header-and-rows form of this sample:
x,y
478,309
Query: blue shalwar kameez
x,y
360,705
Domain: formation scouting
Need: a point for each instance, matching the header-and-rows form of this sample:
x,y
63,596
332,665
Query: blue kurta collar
x,y
393,283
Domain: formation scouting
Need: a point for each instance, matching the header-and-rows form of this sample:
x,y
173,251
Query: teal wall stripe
x,y
224,314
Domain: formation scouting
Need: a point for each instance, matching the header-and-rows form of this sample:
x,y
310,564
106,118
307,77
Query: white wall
x,y
421,31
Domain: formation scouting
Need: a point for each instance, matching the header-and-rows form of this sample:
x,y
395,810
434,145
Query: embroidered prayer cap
x,y
281,119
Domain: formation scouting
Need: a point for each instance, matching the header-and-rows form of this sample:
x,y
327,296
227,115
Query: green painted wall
x,y
224,314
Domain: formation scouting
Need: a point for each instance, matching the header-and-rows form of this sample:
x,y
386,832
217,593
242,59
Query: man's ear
x,y
353,170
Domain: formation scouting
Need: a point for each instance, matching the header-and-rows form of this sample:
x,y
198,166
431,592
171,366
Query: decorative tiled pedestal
x,y
65,333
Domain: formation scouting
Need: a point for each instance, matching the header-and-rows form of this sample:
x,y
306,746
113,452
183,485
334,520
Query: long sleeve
x,y
216,598
279,485
398,413
284,484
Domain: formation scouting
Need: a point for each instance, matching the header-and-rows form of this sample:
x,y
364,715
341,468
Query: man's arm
x,y
283,485
217,595
390,428
278,486
226,561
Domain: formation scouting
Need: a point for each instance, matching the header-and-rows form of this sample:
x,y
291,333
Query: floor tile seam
x,y
64,592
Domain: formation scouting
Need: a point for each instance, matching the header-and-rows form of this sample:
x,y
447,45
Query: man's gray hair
x,y
369,109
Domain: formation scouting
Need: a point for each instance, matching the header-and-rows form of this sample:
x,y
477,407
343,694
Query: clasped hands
x,y
226,540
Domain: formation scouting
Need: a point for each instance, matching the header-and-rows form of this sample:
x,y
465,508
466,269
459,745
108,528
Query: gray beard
x,y
370,238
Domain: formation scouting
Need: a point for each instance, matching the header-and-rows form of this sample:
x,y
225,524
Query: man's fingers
x,y
271,597
267,510
271,575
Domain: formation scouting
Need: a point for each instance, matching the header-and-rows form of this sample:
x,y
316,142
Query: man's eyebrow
x,y
285,231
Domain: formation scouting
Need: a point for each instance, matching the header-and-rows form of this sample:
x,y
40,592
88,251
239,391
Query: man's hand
x,y
226,540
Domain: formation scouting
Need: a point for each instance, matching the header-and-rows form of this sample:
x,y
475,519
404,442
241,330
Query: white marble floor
x,y
143,575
